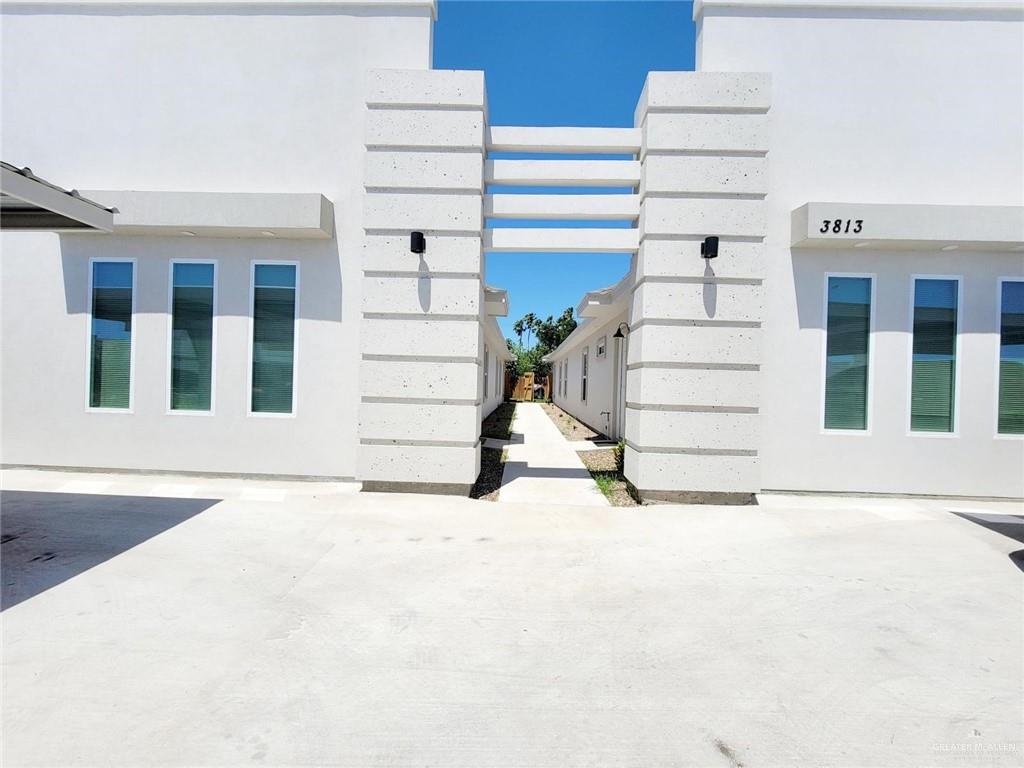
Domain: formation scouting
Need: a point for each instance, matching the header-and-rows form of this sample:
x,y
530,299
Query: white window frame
x,y
956,352
872,315
170,339
252,341
584,373
999,327
131,344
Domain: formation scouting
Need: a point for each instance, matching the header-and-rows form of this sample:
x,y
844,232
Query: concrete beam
x,y
563,173
561,240
577,141
566,207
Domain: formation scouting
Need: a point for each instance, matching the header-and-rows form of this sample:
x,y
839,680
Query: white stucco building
x,y
253,305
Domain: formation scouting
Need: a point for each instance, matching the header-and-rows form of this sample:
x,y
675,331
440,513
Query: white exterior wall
x,y
217,99
875,106
496,356
597,411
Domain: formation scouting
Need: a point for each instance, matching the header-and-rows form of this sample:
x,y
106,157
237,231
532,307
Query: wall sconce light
x,y
417,242
709,248
618,331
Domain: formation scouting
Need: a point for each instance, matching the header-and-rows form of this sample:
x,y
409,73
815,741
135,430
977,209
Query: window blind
x,y
848,327
111,338
1011,358
273,342
933,366
191,336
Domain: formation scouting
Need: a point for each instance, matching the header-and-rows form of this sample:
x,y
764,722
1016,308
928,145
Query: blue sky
x,y
561,63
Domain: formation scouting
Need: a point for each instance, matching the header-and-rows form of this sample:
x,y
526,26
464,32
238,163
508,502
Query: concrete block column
x,y
693,366
420,393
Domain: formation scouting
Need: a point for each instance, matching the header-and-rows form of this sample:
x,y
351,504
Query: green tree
x,y
549,334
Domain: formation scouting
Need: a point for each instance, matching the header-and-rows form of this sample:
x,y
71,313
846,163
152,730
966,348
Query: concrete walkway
x,y
543,468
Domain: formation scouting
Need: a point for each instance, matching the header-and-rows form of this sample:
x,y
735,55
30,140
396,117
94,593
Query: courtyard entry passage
x,y
542,467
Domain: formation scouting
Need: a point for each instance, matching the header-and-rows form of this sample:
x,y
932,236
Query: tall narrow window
x,y
1011,358
274,304
487,373
847,345
933,363
192,297
583,374
110,367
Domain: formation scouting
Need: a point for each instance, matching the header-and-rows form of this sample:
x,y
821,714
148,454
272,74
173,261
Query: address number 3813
x,y
841,226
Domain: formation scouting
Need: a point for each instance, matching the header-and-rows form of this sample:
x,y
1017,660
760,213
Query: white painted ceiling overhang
x,y
30,204
908,227
285,215
495,301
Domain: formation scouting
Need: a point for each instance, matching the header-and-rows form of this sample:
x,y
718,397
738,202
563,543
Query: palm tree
x,y
530,322
518,330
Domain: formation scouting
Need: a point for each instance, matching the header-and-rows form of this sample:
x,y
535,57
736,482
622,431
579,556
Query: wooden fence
x,y
527,387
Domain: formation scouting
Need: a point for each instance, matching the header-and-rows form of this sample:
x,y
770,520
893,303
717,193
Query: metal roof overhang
x,y
30,204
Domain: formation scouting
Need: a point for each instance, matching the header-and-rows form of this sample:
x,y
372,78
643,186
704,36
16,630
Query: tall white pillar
x,y
693,369
420,393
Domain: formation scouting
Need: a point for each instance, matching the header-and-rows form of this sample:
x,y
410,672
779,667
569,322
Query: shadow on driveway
x,y
49,538
1010,526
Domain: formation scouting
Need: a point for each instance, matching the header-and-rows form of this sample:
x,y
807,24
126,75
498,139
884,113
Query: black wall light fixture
x,y
709,248
618,331
417,242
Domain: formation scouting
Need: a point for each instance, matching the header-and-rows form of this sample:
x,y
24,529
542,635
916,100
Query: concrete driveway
x,y
308,625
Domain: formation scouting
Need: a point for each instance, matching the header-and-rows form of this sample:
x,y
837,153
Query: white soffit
x,y
379,7
220,214
908,227
1014,7
496,301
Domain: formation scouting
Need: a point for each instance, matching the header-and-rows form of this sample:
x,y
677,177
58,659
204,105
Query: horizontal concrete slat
x,y
704,90
425,170
681,258
445,253
693,387
426,87
418,421
452,213
687,472
688,344
563,173
568,207
570,140
712,431
413,128
703,216
698,301
706,133
431,295
713,174
455,338
418,464
561,240
418,380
